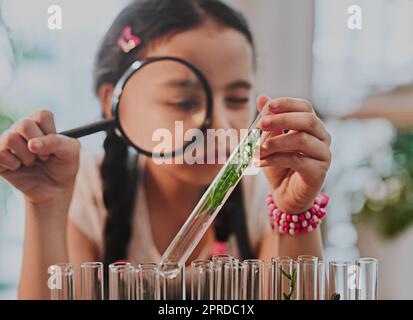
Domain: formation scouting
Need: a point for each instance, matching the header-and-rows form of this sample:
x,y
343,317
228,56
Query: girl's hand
x,y
296,162
37,161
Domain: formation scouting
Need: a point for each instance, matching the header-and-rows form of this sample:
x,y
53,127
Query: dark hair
x,y
152,20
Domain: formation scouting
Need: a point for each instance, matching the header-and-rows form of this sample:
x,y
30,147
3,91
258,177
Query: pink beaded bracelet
x,y
292,224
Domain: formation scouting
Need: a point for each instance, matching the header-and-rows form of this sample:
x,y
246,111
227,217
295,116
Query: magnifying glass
x,y
162,93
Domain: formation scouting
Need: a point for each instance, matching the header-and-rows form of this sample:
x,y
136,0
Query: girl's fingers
x,y
8,161
44,158
14,148
291,114
45,121
27,128
261,101
305,166
298,142
62,147
285,104
297,121
18,147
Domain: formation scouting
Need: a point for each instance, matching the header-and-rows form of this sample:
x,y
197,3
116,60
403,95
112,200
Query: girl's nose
x,y
219,118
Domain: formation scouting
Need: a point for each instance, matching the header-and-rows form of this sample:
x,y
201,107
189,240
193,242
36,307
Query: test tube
x,y
366,279
92,281
307,277
120,281
237,280
338,280
253,280
172,281
201,280
146,282
224,275
215,196
283,278
321,280
61,281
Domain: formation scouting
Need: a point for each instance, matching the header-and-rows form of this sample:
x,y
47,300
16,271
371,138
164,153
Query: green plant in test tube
x,y
215,196
293,280
234,171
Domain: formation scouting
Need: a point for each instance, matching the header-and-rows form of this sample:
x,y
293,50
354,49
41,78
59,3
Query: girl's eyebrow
x,y
183,83
243,84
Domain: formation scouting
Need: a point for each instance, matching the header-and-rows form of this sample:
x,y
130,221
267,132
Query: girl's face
x,y
226,59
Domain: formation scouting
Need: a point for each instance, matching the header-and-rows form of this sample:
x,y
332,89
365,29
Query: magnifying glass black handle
x,y
86,130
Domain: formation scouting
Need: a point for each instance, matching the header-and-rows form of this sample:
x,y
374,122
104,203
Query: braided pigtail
x,y
119,175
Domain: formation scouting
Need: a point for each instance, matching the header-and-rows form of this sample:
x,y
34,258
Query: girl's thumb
x,y
54,144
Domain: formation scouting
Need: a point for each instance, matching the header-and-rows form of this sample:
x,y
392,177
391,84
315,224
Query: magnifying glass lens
x,y
159,103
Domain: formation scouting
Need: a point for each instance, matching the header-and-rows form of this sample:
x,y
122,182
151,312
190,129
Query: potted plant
x,y
386,219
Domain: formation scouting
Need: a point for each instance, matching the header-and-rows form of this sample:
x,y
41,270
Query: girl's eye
x,y
185,104
237,101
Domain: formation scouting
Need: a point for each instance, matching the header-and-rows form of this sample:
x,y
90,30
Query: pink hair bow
x,y
127,41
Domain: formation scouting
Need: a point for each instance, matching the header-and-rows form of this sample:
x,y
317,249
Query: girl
x,y
81,207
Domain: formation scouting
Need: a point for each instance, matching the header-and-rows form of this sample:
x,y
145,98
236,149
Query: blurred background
x,y
360,81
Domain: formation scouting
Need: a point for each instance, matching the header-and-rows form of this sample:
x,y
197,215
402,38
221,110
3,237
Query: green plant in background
x,y
392,214
5,122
